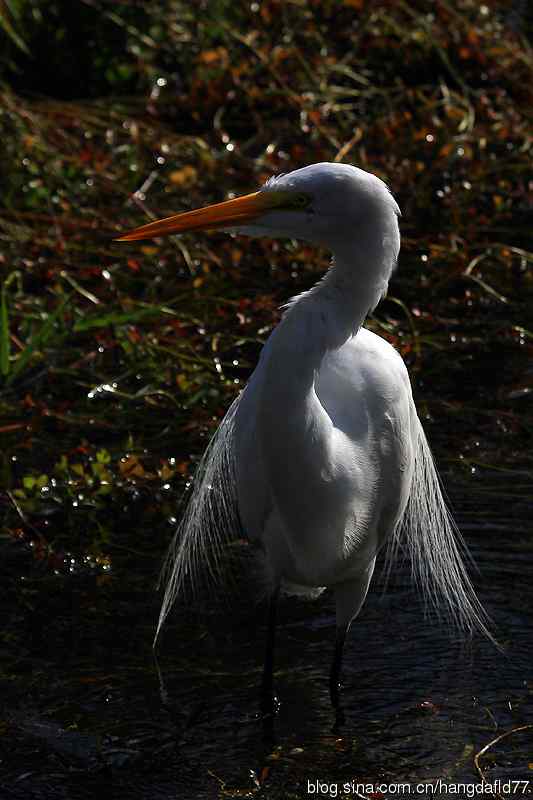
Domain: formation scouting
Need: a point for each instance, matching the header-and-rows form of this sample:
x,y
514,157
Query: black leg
x,y
334,676
268,700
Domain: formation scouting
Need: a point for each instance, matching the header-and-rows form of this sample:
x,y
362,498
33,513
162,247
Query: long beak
x,y
231,213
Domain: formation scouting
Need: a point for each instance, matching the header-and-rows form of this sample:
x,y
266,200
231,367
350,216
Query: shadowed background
x,y
117,361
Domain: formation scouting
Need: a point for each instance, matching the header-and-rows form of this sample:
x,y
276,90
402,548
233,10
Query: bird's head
x,y
327,204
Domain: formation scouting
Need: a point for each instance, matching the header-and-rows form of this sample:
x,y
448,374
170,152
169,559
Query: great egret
x,y
322,458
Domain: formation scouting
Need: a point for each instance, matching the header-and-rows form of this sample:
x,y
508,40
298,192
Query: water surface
x,y
88,709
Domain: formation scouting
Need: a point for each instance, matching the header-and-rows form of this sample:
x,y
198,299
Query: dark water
x,y
88,711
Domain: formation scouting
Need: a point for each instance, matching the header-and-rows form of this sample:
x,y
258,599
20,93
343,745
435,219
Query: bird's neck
x,y
336,307
324,318
315,323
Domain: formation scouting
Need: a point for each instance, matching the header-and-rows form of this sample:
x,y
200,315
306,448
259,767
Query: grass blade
x,y
4,335
41,337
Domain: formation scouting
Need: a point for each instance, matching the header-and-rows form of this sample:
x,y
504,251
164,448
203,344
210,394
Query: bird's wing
x,y
253,487
364,387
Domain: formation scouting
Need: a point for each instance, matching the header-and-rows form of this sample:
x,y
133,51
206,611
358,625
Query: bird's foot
x,y
335,696
335,692
270,705
269,708
340,720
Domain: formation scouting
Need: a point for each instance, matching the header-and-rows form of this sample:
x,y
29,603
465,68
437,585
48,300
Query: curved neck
x,y
354,284
336,307
325,317
316,322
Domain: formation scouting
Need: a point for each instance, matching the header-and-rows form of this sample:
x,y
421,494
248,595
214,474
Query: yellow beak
x,y
231,213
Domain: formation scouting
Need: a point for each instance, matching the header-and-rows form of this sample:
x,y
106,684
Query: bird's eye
x,y
301,200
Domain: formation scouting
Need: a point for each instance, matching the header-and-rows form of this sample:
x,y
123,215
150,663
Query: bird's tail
x,y
210,521
435,547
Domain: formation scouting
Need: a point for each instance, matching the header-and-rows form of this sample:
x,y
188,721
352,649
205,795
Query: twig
x,y
347,146
493,742
23,516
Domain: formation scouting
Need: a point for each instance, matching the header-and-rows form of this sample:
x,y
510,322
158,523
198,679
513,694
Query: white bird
x,y
322,457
